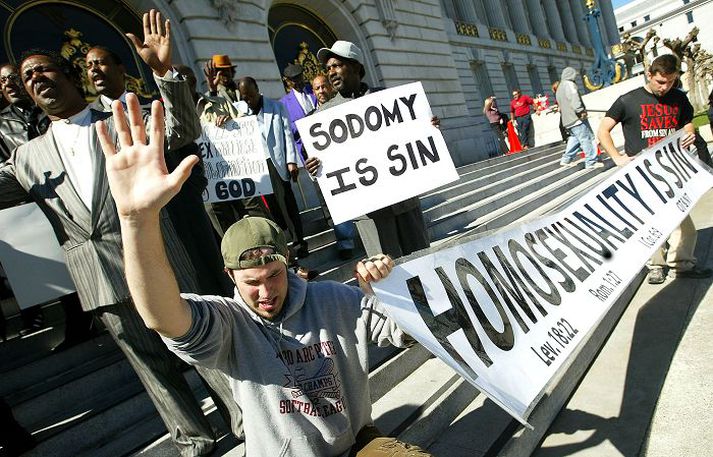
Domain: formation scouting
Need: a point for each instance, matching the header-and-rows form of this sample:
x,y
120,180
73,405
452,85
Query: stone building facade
x,y
461,50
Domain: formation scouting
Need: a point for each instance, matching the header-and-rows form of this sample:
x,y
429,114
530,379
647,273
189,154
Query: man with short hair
x,y
400,227
520,114
274,121
323,89
20,122
299,101
642,113
296,353
573,117
107,74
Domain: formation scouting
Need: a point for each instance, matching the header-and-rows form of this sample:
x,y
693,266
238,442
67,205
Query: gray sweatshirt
x,y
568,98
301,380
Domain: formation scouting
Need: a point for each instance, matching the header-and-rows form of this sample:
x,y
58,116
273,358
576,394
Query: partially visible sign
x,y
31,257
377,150
508,310
235,160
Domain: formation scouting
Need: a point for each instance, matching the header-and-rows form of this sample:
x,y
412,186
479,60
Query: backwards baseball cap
x,y
249,234
345,50
222,61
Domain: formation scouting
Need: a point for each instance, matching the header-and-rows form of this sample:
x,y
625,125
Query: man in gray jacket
x,y
295,352
574,120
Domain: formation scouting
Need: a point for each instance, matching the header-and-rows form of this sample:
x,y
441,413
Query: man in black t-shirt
x,y
647,115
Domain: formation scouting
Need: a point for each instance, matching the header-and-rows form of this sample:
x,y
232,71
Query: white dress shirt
x,y
72,137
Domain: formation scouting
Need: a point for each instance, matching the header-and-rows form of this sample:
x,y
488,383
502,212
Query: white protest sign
x,y
377,150
32,258
507,310
235,160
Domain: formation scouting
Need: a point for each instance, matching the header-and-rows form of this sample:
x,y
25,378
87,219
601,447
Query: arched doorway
x,y
73,27
296,34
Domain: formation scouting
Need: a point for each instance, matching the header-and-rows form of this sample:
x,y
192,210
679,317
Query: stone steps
x,y
88,401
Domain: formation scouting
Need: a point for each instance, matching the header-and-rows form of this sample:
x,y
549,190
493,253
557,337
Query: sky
x,y
618,3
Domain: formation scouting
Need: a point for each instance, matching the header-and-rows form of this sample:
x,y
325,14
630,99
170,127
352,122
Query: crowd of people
x,y
217,285
243,251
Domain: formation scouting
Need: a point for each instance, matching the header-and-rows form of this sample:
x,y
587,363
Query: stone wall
x,y
403,41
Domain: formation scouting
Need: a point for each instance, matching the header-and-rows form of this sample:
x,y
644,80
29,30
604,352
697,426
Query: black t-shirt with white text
x,y
646,119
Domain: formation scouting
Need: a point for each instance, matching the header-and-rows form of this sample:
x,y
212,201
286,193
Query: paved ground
x,y
649,392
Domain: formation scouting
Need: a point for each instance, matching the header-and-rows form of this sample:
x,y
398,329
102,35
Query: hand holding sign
x,y
380,149
373,269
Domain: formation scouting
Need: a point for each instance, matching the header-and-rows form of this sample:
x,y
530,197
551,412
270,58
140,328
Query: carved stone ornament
x,y
228,10
387,16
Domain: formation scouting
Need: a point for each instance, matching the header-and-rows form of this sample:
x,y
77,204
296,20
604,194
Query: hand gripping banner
x,y
507,311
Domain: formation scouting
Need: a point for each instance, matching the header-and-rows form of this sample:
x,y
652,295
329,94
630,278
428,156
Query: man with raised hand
x,y
647,115
295,352
63,172
107,74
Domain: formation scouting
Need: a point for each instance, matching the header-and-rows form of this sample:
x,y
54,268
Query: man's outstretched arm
x,y
141,186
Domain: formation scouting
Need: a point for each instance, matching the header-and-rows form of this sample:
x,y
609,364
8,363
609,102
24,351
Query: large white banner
x,y
506,311
31,257
377,150
235,160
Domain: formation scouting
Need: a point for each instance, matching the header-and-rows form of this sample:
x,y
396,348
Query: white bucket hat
x,y
344,49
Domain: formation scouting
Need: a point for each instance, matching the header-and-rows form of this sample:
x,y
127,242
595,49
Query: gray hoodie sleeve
x,y
575,98
382,329
209,340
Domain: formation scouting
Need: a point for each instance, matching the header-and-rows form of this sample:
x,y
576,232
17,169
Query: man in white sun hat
x,y
400,227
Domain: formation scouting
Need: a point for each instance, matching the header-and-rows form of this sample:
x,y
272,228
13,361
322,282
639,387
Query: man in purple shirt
x,y
299,101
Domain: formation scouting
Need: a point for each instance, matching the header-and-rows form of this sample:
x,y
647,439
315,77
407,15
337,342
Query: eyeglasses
x,y
14,77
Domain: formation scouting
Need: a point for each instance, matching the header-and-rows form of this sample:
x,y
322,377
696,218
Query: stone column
x,y
553,19
516,9
494,10
570,28
449,9
480,9
609,22
579,22
466,11
537,19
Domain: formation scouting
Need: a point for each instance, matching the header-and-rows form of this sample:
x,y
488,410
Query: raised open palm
x,y
138,178
155,50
